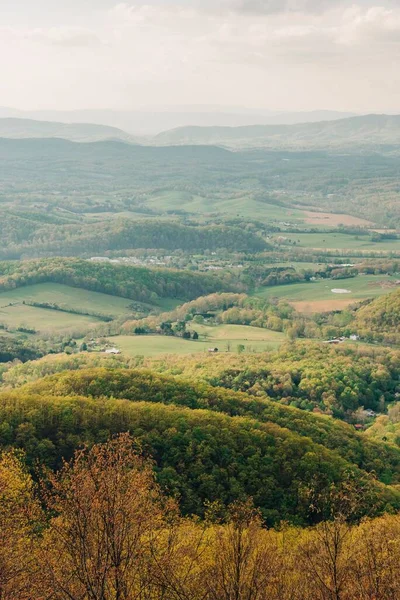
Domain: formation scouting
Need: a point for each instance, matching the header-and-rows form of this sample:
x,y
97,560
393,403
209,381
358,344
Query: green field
x,y
343,241
223,337
14,313
360,287
242,206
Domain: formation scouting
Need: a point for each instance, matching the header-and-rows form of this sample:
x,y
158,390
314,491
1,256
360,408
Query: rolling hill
x,y
364,131
207,444
151,121
380,319
75,132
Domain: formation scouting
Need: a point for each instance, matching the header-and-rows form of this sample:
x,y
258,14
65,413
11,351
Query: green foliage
x,y
380,319
15,349
151,387
199,455
308,375
138,283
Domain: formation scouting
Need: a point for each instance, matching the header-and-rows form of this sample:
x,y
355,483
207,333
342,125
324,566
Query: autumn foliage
x,y
100,529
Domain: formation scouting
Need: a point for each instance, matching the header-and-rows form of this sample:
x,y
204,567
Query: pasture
x,y
14,313
226,338
340,241
317,296
244,206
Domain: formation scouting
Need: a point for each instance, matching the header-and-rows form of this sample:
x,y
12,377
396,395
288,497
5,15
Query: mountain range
x,y
151,121
362,132
75,132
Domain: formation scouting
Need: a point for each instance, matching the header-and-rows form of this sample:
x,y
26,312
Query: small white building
x,y
113,351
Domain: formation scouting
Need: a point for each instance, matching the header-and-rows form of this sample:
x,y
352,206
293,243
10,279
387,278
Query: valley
x,y
236,311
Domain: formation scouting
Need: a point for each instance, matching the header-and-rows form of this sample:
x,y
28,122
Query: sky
x,y
279,55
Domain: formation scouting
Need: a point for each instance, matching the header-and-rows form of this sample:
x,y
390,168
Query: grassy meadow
x,y
14,313
316,296
341,241
224,337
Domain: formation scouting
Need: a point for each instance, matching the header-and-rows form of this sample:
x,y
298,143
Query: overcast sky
x,y
270,54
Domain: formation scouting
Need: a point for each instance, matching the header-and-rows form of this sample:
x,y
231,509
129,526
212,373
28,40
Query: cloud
x,y
299,54
276,6
72,37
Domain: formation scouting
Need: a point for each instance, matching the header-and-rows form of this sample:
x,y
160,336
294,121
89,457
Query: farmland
x,y
318,296
15,313
341,241
223,337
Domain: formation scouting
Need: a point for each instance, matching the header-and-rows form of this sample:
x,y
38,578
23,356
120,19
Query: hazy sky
x,y
271,54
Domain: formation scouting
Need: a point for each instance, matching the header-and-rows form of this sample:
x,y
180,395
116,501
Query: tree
x,y
245,563
107,506
19,512
328,553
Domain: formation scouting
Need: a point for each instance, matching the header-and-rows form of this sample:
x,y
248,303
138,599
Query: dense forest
x,y
312,376
24,238
200,455
150,551
14,349
380,319
146,385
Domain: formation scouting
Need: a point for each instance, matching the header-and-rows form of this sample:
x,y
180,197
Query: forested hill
x,y
138,283
200,455
363,131
144,385
28,238
77,132
380,318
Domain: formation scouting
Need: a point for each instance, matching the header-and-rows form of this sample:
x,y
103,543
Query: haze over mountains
x,y
152,121
76,132
360,132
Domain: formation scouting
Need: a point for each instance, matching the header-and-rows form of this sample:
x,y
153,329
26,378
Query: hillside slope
x,y
380,319
148,386
369,130
200,456
75,132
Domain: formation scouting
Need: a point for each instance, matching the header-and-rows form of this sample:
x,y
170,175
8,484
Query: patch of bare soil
x,y
320,306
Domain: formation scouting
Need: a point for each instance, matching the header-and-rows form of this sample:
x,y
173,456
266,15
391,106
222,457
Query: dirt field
x,y
333,220
319,306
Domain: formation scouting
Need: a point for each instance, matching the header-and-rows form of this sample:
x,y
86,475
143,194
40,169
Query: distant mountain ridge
x,y
369,132
151,121
15,128
360,131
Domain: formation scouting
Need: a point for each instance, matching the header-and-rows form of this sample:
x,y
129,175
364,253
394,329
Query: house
x,y
354,337
213,350
359,427
113,351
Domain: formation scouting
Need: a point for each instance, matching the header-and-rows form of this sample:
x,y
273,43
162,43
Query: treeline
x,y
70,310
15,349
137,283
101,528
118,234
204,306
